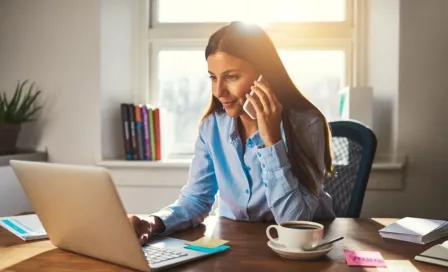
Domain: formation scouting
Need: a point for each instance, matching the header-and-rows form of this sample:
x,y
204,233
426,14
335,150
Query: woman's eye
x,y
232,77
213,78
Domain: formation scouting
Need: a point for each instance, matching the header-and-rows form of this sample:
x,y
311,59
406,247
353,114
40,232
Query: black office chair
x,y
354,147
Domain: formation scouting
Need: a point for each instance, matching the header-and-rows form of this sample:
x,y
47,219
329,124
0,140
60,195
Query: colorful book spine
x,y
151,132
139,132
157,133
133,133
146,133
126,131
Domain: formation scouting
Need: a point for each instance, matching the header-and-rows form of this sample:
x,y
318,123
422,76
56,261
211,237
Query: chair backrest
x,y
354,147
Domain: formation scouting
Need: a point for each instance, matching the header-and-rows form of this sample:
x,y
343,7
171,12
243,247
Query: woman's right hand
x,y
143,229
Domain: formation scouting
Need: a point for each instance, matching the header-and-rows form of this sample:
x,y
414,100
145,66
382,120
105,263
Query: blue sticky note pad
x,y
207,250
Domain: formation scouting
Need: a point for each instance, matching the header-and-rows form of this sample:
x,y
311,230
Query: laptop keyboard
x,y
156,255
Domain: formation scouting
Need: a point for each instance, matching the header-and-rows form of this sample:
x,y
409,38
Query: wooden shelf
x,y
24,155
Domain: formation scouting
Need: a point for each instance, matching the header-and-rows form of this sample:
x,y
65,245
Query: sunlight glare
x,y
259,12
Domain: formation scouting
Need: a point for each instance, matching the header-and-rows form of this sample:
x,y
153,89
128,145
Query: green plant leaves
x,y
21,108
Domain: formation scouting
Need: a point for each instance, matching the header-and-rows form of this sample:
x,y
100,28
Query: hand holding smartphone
x,y
248,107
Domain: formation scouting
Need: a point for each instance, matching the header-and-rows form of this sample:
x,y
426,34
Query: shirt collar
x,y
234,134
233,131
255,138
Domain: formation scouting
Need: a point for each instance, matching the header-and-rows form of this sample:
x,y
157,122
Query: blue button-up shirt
x,y
256,184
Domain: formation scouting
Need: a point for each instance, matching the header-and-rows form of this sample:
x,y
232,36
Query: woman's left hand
x,y
269,112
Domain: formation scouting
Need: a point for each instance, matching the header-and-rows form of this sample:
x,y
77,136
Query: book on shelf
x,y
132,132
147,141
140,126
126,130
157,133
416,230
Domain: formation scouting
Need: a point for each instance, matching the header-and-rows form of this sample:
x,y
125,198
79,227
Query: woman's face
x,y
231,79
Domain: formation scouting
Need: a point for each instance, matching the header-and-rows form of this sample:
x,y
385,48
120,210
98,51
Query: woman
x,y
270,168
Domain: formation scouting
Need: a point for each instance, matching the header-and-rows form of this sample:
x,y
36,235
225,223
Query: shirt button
x,y
263,165
248,168
265,184
258,154
250,143
247,191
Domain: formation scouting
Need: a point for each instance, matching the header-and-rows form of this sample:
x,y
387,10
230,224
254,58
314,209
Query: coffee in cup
x,y
294,225
297,234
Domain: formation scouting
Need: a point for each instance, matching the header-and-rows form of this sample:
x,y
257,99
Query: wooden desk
x,y
249,250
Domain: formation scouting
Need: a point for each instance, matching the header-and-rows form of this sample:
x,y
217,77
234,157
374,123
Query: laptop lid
x,y
81,211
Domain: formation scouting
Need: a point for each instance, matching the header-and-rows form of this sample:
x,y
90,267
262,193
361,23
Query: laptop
x,y
81,211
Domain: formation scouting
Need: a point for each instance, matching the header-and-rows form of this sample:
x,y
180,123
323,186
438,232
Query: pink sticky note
x,y
364,258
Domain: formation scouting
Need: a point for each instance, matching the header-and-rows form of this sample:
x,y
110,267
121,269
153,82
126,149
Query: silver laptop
x,y
81,211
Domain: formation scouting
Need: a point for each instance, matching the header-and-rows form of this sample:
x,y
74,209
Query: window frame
x,y
348,36
153,20
153,64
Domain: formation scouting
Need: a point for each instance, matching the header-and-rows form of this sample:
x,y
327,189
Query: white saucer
x,y
297,254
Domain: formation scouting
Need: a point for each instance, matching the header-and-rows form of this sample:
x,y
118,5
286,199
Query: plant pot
x,y
8,137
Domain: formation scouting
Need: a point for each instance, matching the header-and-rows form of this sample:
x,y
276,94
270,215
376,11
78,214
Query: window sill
x,y
385,174
145,164
23,155
388,165
185,163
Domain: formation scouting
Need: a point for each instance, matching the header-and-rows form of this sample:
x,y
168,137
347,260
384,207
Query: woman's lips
x,y
227,105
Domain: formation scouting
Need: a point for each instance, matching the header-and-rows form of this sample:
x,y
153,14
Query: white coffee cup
x,y
297,234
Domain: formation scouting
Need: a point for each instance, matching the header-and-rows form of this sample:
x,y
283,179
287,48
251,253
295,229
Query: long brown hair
x,y
252,44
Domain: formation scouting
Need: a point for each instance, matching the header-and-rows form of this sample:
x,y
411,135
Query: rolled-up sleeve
x,y
287,198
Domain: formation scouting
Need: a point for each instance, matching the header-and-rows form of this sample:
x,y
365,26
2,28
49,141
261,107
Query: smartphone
x,y
248,107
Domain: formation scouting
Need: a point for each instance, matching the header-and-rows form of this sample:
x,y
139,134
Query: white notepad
x,y
416,230
437,254
26,227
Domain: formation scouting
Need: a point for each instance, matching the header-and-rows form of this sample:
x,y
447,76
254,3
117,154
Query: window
x,y
314,38
319,74
184,93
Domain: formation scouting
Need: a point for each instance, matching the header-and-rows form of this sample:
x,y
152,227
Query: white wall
x,y
80,54
57,44
119,44
421,127
423,95
383,66
12,197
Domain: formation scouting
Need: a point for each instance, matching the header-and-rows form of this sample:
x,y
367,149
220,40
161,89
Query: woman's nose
x,y
221,89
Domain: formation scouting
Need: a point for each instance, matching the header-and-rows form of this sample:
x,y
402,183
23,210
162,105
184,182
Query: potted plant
x,y
19,109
